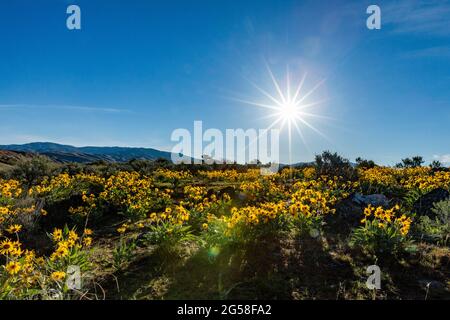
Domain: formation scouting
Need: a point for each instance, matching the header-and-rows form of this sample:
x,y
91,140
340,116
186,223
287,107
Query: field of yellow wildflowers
x,y
221,234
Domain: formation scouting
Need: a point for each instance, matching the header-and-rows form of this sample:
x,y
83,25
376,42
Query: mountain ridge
x,y
67,153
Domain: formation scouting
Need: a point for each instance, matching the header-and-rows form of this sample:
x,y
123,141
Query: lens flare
x,y
289,109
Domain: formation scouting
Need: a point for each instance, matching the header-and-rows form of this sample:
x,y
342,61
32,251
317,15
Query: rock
x,y
228,190
375,200
347,216
242,196
424,204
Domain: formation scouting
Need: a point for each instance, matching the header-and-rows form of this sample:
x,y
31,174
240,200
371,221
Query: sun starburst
x,y
288,106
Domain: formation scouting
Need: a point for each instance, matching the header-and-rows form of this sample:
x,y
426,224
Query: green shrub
x,y
333,165
385,230
123,253
436,230
33,170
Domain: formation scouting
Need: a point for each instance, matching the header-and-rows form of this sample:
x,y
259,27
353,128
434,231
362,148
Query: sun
x,y
288,111
288,107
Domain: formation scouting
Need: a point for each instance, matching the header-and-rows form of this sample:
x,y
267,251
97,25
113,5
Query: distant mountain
x,y
66,153
308,164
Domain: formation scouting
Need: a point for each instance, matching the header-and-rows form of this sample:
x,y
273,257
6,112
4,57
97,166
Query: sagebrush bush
x,y
436,230
333,165
33,170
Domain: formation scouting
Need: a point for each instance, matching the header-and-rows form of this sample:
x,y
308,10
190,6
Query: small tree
x,y
436,165
365,164
332,164
32,170
141,165
417,161
413,162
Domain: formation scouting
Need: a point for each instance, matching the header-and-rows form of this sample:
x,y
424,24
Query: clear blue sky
x,y
139,69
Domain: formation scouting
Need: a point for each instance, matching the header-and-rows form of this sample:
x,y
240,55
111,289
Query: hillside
x,y
10,158
67,153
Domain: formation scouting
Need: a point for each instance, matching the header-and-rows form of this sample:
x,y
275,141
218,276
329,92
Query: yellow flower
x,y
16,251
73,236
88,232
87,241
4,211
15,228
386,218
57,235
58,275
29,255
6,247
61,252
122,229
205,226
13,267
368,211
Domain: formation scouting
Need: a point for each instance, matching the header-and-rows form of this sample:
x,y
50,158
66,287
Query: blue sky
x,y
138,69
